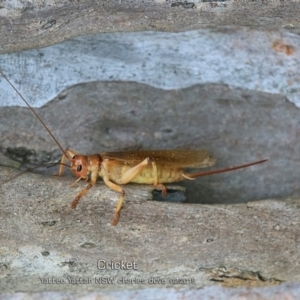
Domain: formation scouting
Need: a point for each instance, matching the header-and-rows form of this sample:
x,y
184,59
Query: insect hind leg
x,y
133,172
127,177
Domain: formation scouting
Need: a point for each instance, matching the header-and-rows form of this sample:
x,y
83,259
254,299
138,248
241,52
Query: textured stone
x,y
254,244
236,126
261,60
39,23
251,244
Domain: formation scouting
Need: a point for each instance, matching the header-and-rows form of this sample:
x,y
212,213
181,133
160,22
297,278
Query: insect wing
x,y
175,158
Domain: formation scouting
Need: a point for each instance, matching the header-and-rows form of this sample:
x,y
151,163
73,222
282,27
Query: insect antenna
x,y
31,169
33,111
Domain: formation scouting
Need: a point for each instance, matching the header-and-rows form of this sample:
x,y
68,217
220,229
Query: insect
x,y
155,167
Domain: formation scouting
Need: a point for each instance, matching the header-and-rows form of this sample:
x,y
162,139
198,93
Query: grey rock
x,y
236,126
266,61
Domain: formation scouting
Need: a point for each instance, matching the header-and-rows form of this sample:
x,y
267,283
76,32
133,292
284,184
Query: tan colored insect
x,y
155,167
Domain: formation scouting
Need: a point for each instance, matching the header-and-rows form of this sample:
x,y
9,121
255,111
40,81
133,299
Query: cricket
x,y
154,167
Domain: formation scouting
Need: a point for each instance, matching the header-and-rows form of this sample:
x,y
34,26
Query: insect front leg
x,y
94,176
82,193
62,164
64,157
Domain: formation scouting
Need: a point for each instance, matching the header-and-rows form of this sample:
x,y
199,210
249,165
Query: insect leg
x,y
64,157
82,193
118,189
130,174
155,180
62,165
126,177
94,177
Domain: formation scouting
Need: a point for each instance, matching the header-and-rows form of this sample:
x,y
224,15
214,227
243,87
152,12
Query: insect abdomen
x,y
165,174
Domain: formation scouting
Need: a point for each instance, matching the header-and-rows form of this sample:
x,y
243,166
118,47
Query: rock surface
x,y
261,60
285,291
236,126
251,244
40,23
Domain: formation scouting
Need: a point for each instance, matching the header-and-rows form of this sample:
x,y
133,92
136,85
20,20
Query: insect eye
x,y
79,168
